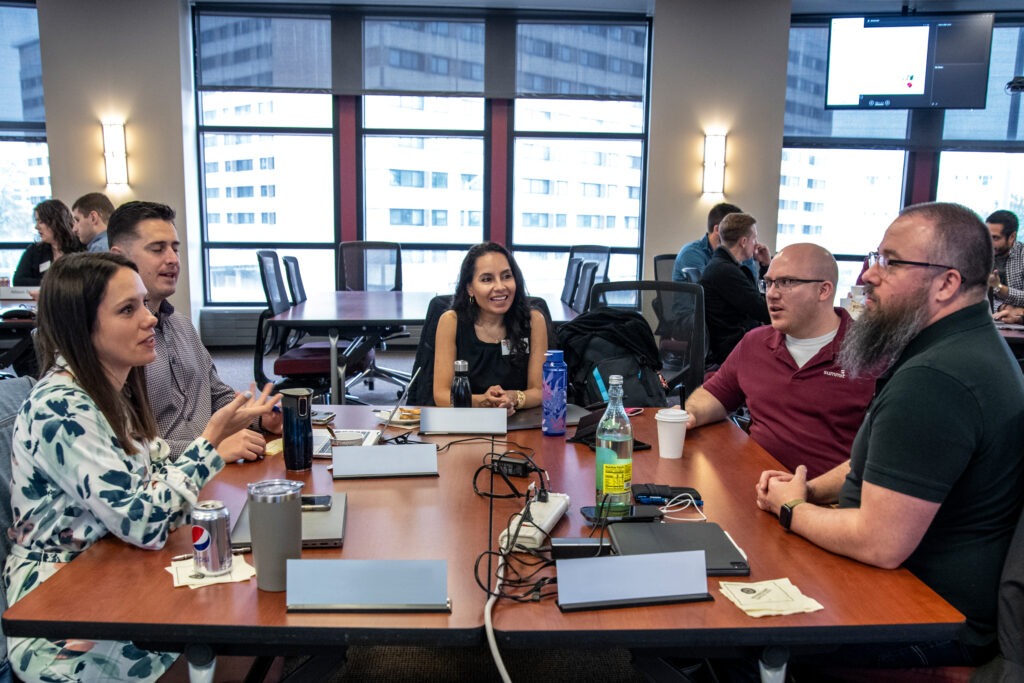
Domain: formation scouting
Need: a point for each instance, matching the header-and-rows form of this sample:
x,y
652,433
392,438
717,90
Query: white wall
x,y
120,59
719,66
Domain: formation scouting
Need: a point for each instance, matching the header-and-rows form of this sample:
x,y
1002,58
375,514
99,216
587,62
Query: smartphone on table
x,y
317,503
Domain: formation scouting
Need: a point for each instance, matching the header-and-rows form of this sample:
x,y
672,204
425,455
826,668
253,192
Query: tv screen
x,y
908,62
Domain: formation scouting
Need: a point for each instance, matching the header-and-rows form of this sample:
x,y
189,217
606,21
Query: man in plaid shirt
x,y
1007,280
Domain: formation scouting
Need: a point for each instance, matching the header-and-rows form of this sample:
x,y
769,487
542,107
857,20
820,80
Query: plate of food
x,y
406,417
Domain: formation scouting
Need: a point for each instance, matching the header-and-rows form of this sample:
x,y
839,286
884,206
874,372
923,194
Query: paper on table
x,y
184,573
768,598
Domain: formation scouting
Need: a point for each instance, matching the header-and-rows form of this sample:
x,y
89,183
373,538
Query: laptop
x,y
323,446
531,418
320,528
631,580
367,586
724,558
471,421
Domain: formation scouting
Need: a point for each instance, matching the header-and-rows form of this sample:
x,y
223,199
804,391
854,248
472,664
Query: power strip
x,y
543,518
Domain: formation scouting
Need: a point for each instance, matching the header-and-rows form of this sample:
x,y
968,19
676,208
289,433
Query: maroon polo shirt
x,y
802,416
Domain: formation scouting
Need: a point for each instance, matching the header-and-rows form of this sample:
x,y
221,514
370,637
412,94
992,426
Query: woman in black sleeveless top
x,y
491,326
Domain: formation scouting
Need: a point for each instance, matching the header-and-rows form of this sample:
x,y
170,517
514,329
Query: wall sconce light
x,y
714,164
115,154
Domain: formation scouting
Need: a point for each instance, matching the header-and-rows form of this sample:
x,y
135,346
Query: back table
x,y
120,592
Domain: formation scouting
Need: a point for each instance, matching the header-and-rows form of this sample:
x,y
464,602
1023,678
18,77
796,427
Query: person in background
x,y
492,327
698,253
183,385
804,409
87,461
1007,279
732,303
935,481
91,213
56,238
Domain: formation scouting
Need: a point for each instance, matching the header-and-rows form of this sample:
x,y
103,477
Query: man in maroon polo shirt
x,y
804,408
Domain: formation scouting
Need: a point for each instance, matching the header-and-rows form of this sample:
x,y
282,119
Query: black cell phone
x,y
317,503
321,417
635,513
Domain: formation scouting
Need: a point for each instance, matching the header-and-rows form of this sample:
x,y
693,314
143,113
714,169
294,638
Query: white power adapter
x,y
532,532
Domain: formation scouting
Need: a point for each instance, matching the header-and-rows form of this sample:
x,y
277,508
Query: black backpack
x,y
608,341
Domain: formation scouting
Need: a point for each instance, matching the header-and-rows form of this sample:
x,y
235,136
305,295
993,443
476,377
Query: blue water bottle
x,y
553,397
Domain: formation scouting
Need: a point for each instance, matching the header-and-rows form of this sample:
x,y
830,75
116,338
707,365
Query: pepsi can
x,y
211,538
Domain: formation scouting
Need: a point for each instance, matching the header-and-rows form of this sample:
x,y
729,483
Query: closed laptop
x,y
363,462
631,580
724,558
320,528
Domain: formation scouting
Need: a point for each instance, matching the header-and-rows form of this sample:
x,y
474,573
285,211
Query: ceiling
x,y
884,6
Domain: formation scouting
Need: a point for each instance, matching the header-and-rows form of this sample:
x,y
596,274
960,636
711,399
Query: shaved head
x,y
814,261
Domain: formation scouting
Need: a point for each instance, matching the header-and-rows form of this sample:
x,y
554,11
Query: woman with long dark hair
x,y
56,238
86,459
492,327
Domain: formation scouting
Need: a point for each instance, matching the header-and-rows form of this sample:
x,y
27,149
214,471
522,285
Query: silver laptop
x,y
320,528
485,421
367,586
323,444
531,417
596,582
366,462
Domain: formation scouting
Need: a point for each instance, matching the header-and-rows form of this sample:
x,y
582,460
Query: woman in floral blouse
x,y
87,461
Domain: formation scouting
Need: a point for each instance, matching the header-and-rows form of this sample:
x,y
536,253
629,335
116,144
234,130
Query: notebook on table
x,y
367,586
531,417
723,556
470,421
363,462
631,580
320,528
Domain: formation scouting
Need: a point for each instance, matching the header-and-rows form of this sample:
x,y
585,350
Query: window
x,y
24,155
389,143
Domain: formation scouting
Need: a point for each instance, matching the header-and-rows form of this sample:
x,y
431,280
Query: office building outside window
x,y
413,117
24,155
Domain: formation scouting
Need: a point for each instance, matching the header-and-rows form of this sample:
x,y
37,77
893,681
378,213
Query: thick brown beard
x,y
879,336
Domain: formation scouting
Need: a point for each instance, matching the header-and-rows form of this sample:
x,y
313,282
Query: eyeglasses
x,y
883,262
784,283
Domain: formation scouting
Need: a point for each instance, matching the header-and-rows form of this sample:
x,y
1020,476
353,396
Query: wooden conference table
x,y
122,592
369,317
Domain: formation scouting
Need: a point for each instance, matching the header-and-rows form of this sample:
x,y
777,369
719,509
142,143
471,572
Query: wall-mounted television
x,y
908,62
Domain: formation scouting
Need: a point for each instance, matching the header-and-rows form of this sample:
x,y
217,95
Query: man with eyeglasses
x,y
732,303
936,475
804,409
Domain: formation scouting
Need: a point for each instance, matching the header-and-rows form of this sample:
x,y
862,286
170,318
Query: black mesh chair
x,y
675,311
691,274
294,276
369,267
597,253
588,276
663,265
572,278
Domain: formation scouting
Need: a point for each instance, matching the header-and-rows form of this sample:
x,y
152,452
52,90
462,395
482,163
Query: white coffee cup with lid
x,y
671,431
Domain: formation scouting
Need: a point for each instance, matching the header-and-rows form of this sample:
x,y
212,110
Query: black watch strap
x,y
786,512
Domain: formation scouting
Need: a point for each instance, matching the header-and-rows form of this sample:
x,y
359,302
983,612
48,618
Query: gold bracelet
x,y
520,399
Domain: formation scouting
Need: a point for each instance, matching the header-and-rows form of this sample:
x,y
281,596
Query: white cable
x,y
489,625
680,503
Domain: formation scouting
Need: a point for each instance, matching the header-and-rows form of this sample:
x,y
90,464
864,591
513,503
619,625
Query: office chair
x,y
691,274
588,276
294,276
305,365
676,310
369,267
572,278
597,253
663,266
